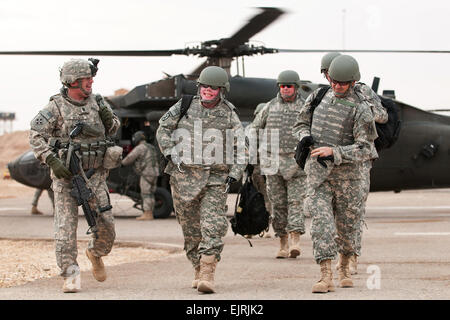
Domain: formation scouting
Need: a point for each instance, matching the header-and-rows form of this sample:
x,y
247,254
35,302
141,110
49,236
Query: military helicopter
x,y
418,160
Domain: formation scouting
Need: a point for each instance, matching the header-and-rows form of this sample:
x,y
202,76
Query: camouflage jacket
x,y
59,118
212,144
379,112
144,158
346,125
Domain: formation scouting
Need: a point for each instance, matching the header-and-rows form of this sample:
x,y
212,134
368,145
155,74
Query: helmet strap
x,y
211,103
291,97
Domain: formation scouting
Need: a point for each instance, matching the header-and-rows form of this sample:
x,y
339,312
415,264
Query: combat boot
x,y
147,215
72,284
325,284
98,268
34,210
338,263
345,279
294,246
353,265
284,247
207,269
196,277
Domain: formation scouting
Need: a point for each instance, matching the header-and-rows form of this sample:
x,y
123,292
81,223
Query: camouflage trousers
x,y
66,223
38,193
148,188
335,208
203,222
365,185
286,198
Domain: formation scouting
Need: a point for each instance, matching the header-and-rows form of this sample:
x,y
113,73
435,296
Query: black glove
x,y
107,116
230,180
321,160
302,151
58,167
250,169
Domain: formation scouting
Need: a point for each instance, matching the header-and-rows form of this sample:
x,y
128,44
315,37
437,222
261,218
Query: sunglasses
x,y
341,83
286,86
205,86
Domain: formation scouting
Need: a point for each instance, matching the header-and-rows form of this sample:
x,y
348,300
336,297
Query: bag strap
x,y
318,99
185,104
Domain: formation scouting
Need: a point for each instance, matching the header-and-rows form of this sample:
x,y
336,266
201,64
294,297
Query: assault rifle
x,y
80,191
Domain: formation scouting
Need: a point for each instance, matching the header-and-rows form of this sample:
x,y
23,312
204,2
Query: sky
x,y
27,82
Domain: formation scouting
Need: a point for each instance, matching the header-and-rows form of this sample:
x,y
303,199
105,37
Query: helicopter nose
x,y
28,170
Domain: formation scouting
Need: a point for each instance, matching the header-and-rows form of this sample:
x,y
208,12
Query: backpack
x,y
387,132
185,104
250,214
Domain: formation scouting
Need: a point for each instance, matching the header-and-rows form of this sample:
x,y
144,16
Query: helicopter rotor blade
x,y
254,25
120,53
361,51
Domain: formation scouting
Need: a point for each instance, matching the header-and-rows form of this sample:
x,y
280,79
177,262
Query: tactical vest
x,y
282,116
92,140
209,124
332,125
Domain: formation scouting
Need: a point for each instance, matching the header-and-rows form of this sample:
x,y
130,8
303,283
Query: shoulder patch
x,y
173,112
41,120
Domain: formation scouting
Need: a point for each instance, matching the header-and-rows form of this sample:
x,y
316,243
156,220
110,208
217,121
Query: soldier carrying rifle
x,y
70,135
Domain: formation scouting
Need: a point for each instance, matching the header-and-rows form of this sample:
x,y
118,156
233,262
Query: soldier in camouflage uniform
x,y
342,130
74,104
199,183
286,187
380,115
144,158
37,195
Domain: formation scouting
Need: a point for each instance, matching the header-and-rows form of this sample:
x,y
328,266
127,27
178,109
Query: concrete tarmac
x,y
405,256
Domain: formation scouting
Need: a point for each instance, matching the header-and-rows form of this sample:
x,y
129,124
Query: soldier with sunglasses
x,y
380,116
199,180
342,131
286,186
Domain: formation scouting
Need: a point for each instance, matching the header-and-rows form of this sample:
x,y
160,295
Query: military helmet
x,y
288,77
214,76
137,137
344,68
326,60
75,69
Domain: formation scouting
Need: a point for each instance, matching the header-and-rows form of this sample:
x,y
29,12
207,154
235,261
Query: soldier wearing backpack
x,y
380,116
199,184
285,187
341,131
